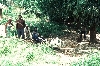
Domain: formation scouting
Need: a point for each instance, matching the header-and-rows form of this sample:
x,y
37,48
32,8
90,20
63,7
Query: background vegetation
x,y
73,13
51,17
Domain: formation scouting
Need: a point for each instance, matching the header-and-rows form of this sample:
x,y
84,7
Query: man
x,y
35,35
83,31
20,26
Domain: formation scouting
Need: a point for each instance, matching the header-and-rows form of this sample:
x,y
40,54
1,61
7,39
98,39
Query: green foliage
x,y
30,56
47,50
52,8
5,51
48,28
91,60
83,11
61,11
3,21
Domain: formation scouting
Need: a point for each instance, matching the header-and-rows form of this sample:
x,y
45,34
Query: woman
x,y
8,28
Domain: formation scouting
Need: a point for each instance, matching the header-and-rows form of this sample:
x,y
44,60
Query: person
x,y
27,32
83,31
35,35
8,26
20,25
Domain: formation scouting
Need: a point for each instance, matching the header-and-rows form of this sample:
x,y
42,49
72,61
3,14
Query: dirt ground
x,y
71,41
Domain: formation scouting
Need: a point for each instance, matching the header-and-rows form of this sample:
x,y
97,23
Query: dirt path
x,y
66,60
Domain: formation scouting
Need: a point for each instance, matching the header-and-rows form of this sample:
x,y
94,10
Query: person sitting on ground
x,y
27,32
35,35
8,26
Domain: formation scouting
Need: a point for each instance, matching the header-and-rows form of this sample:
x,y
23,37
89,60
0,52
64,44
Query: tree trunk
x,y
93,34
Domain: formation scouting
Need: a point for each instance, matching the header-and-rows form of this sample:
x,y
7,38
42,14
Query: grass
x,y
92,59
14,52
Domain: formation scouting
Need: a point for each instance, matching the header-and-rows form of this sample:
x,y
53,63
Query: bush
x,y
3,21
48,29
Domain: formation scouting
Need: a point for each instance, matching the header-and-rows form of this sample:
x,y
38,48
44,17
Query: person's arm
x,y
19,23
16,24
5,27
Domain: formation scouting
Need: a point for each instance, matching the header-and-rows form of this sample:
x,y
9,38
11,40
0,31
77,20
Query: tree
x,y
75,12
78,12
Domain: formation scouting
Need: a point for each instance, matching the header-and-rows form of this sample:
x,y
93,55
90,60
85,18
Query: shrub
x,y
3,21
48,29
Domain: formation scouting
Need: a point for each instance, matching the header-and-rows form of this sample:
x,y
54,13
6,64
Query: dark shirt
x,y
83,29
20,24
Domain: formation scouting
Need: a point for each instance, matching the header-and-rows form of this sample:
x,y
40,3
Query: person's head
x,y
19,16
35,27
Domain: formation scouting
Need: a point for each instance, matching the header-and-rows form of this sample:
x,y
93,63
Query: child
x,y
8,28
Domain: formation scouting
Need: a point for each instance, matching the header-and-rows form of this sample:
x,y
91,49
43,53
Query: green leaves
x,y
48,28
5,51
30,56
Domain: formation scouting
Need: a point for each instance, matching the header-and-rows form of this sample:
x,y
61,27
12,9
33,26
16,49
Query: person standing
x,y
83,31
20,25
8,26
